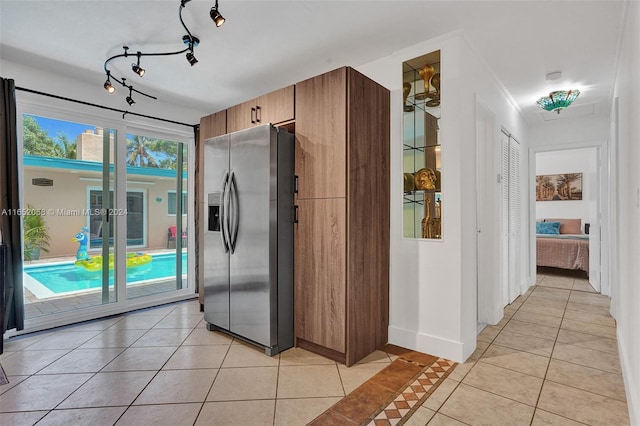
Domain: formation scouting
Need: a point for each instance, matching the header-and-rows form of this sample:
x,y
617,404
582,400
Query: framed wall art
x,y
562,187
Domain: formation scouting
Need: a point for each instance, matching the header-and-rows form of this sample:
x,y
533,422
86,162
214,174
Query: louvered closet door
x,y
504,220
511,219
515,223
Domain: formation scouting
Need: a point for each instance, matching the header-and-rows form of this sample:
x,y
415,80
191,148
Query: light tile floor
x,y
552,360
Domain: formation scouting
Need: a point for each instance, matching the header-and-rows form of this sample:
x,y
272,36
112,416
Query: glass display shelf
x,y
422,147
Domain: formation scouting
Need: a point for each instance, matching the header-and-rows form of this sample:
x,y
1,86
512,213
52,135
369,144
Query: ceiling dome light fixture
x,y
216,15
558,100
189,40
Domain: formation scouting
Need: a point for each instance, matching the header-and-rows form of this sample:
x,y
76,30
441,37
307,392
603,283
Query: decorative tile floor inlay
x,y
414,395
394,394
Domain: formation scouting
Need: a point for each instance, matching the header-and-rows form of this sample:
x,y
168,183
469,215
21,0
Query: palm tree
x,y
69,149
544,188
565,182
139,151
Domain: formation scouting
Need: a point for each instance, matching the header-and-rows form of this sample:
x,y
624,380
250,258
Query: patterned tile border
x,y
413,396
393,395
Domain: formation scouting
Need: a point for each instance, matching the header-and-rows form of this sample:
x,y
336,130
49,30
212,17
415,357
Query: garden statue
x,y
82,238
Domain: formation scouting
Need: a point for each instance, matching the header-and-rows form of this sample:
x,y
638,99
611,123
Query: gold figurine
x,y
425,179
427,229
435,82
426,73
406,90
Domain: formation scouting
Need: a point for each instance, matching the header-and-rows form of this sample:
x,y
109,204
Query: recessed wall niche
x,y
422,150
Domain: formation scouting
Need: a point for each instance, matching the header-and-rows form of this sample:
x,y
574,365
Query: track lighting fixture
x,y
136,67
130,100
216,16
192,59
189,40
108,86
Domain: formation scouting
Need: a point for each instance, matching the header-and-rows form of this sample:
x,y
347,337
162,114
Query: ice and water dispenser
x,y
214,212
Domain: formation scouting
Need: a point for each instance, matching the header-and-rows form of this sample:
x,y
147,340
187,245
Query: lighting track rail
x,y
189,40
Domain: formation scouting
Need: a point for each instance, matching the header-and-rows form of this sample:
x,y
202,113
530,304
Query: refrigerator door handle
x,y
223,212
233,232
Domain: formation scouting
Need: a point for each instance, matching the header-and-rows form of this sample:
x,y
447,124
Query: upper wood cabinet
x,y
213,125
342,236
275,107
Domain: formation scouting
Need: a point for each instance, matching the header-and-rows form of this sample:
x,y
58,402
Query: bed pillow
x,y
548,228
568,226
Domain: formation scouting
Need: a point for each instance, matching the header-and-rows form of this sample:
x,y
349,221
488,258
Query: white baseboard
x,y
433,345
631,387
496,315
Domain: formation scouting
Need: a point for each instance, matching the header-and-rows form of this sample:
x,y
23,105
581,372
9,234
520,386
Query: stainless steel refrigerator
x,y
248,237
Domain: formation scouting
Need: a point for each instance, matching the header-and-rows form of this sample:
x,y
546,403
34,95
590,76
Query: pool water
x,y
62,278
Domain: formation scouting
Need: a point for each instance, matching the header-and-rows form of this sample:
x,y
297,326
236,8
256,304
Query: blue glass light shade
x,y
558,100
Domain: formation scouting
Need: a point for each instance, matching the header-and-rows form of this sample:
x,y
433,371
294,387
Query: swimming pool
x,y
66,278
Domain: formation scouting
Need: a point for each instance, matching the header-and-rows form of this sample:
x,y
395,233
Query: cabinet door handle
x,y
253,111
258,113
295,214
295,184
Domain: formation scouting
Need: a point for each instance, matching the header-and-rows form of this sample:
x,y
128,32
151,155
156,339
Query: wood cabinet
x,y
342,234
210,126
275,107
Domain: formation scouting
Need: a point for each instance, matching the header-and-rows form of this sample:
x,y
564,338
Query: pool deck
x,y
35,307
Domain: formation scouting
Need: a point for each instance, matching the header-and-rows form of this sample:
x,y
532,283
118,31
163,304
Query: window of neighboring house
x,y
135,214
171,203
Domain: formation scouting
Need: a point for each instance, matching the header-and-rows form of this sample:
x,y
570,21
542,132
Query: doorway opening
x,y
569,192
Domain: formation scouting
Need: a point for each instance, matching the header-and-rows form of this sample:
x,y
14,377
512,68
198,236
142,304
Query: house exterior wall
x,y
89,145
69,194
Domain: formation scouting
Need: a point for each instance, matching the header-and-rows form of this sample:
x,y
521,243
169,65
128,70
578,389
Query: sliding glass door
x,y
68,245
157,170
105,221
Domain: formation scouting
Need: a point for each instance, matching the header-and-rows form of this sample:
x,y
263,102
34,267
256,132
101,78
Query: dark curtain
x,y
13,301
196,207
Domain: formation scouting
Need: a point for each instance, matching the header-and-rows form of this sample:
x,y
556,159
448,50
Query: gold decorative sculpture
x,y
426,73
435,82
425,179
409,184
406,90
427,228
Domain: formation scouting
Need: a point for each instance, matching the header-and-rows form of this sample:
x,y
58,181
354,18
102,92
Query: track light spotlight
x,y
107,84
130,100
191,58
216,16
136,67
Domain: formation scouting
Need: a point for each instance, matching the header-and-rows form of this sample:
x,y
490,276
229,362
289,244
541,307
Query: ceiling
x,y
265,45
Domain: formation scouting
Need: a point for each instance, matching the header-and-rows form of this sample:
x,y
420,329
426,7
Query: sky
x,y
53,127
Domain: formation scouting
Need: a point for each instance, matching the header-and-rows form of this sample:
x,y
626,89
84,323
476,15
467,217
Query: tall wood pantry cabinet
x,y
342,230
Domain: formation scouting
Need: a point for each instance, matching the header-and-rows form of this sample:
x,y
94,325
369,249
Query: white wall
x,y
433,298
626,210
583,161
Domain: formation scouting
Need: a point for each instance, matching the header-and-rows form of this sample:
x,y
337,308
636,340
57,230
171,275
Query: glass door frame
x,y
32,104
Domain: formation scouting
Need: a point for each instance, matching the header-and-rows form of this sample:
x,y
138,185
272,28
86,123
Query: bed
x,y
560,243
